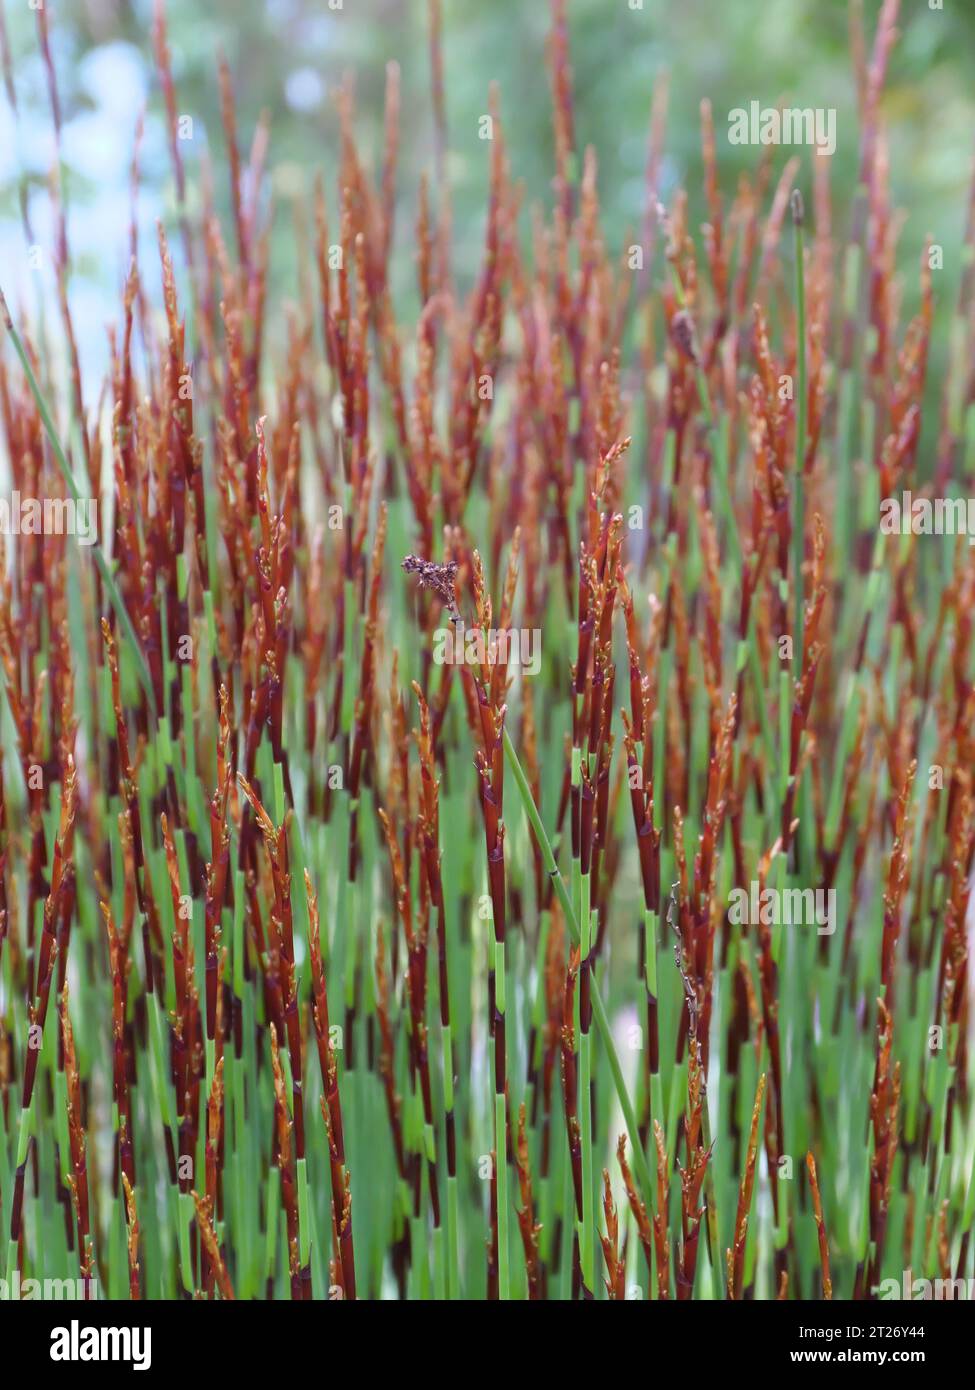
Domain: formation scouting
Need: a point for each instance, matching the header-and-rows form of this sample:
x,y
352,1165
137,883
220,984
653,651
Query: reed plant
x,y
334,969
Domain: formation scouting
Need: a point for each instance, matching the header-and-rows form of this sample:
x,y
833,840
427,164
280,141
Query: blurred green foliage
x,y
290,56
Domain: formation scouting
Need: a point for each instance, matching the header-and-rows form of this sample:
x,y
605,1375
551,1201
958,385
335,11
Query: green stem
x,y
799,528
598,1007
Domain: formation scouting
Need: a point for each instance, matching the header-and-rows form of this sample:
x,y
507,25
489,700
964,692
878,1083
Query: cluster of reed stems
x,y
241,795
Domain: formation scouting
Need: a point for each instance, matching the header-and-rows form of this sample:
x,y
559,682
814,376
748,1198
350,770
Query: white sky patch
x,y
304,89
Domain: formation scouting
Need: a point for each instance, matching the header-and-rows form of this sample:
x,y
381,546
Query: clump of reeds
x,y
250,817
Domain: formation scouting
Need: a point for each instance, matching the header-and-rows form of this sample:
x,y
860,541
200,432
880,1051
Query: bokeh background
x,y
290,56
